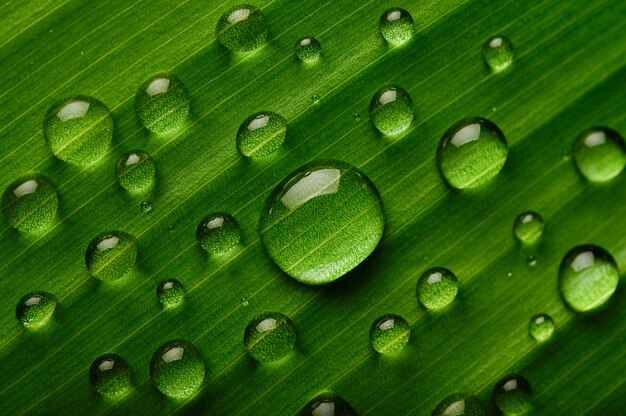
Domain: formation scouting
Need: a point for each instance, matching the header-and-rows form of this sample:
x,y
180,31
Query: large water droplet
x,y
270,337
541,327
437,287
110,376
327,404
588,277
308,50
459,404
135,171
396,26
391,110
30,204
35,309
498,53
512,395
599,154
242,28
471,153
171,293
79,130
389,334
177,369
261,134
111,255
321,221
162,104
218,233
528,227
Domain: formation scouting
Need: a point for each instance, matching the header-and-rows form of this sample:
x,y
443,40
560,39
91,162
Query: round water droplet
x,y
531,261
498,53
111,255
308,50
391,110
146,206
162,104
30,204
588,277
242,28
270,337
471,153
459,404
110,376
327,404
396,25
35,309
135,171
177,369
528,227
79,130
244,301
389,334
512,395
261,134
541,327
437,287
171,293
218,233
323,220
315,98
600,154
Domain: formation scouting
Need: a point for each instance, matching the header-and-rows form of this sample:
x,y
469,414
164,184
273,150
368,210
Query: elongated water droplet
x,y
599,154
135,171
171,293
437,287
321,221
35,309
110,376
242,28
162,104
308,50
30,204
177,369
261,134
498,53
471,153
541,327
396,25
218,233
79,130
327,404
528,227
512,395
389,334
270,337
111,255
391,110
459,404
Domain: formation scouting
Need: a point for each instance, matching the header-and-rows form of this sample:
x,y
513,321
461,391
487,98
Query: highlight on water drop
x,y
261,134
111,255
135,171
162,104
541,327
327,404
389,334
528,227
270,337
396,25
308,50
171,293
498,53
599,154
35,309
30,204
242,28
110,376
391,110
459,404
177,369
512,395
437,287
218,233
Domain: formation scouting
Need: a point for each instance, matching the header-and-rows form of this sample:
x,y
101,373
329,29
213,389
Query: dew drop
x,y
162,104
531,261
242,28
599,154
30,204
110,376
146,206
541,327
389,334
437,287
35,309
498,53
270,337
111,255
357,116
396,25
322,221
308,50
171,293
315,98
528,227
177,369
261,134
512,395
218,233
327,404
135,171
391,110
459,404
244,301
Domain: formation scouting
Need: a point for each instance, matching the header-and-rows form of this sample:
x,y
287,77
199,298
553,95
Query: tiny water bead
x,y
242,28
218,233
111,255
531,261
459,404
599,154
146,206
512,395
30,204
498,53
541,327
79,130
396,25
321,221
270,337
471,153
171,293
437,287
35,309
261,134
162,104
327,404
135,171
528,227
177,369
308,50
588,277
389,334
110,376
391,110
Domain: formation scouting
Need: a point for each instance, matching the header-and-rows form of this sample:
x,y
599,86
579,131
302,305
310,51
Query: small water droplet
x,y
512,395
218,233
498,53
242,28
396,25
389,334
471,153
528,227
566,155
171,293
261,134
357,116
588,277
162,104
541,327
322,220
531,261
35,309
327,404
135,171
30,204
177,369
79,130
244,301
146,206
315,98
171,227
437,287
391,110
270,337
599,154
111,255
459,404
110,376
308,50
509,274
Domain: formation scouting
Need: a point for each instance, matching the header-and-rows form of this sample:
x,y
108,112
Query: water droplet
x,y
171,227
528,227
471,153
322,220
146,206
437,287
111,255
177,369
79,130
459,404
389,334
498,53
327,404
30,204
541,327
588,276
35,309
162,104
270,337
391,110
242,28
509,274
218,233
110,376
396,26
261,134
512,394
315,98
357,116
531,261
244,301
599,154
135,171
308,50
171,293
